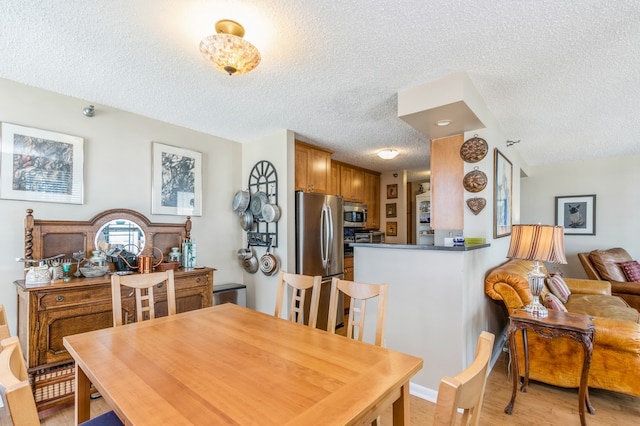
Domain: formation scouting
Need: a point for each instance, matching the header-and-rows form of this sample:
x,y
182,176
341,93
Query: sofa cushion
x,y
606,263
598,305
558,287
552,302
631,270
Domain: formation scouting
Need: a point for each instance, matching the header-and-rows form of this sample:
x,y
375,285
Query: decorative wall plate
x,y
474,149
476,204
475,180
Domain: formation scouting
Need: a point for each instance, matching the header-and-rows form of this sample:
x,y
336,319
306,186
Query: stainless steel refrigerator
x,y
319,246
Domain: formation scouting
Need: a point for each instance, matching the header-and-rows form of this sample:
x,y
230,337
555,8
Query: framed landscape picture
x,y
40,165
502,195
577,213
177,181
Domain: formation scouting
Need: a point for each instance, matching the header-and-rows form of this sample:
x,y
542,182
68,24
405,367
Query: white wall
x,y
277,148
117,174
612,180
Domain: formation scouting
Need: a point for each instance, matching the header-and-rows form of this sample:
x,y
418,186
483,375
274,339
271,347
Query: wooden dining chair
x,y
4,326
142,286
299,284
465,390
17,393
360,293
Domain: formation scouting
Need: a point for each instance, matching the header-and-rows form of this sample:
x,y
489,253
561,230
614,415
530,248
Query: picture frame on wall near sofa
x,y
502,194
177,181
577,213
41,165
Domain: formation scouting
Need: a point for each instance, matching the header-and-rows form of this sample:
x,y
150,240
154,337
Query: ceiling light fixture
x,y
387,154
228,51
443,123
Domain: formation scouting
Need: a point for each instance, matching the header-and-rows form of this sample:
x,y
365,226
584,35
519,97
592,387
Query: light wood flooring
x,y
540,405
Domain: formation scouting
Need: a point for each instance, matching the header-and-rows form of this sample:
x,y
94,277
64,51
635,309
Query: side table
x,y
557,324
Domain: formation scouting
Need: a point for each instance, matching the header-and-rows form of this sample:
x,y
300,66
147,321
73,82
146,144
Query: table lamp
x,y
540,243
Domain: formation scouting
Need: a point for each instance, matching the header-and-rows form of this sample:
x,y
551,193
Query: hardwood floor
x,y
540,405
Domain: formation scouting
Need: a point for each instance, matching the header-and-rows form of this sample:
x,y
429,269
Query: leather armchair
x,y
603,265
615,364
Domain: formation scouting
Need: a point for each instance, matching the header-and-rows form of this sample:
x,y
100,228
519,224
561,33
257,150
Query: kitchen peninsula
x,y
436,307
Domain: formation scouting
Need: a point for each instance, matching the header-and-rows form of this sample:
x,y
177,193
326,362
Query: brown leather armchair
x,y
615,365
603,265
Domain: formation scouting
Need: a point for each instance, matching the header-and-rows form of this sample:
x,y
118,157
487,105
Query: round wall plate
x,y
474,149
475,181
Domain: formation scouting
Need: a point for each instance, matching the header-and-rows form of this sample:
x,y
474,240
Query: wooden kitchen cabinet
x,y
312,168
372,199
334,185
351,183
49,312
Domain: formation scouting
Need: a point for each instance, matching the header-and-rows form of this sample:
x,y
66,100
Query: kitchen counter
x,y
422,246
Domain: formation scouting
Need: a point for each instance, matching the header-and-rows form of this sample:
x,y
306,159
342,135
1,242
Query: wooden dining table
x,y
232,365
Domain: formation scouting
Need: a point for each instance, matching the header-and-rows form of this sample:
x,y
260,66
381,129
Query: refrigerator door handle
x,y
324,235
329,235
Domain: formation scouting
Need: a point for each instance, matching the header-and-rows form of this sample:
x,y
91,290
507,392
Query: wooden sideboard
x,y
47,313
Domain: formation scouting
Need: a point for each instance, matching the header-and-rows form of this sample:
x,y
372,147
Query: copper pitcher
x,y
145,263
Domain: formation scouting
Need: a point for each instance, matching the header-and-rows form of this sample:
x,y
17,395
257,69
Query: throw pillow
x,y
631,270
552,302
558,287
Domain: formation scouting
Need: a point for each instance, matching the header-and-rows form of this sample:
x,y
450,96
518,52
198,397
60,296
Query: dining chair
x,y
4,326
17,393
360,293
299,284
465,390
142,285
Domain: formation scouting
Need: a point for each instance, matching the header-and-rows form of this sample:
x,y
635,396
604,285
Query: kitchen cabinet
x,y
351,183
348,275
312,168
334,184
424,233
372,199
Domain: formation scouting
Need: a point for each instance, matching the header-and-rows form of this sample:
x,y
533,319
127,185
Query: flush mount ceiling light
x,y
443,123
387,154
228,51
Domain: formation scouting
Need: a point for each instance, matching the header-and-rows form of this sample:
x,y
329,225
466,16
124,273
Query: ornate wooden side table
x,y
557,324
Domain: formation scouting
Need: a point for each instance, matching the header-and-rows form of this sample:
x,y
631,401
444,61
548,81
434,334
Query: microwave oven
x,y
355,215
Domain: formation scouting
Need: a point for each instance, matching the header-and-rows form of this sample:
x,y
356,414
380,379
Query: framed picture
x,y
391,210
502,194
392,229
177,181
577,213
392,190
40,165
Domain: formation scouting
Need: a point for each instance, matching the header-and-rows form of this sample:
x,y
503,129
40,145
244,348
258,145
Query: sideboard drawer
x,y
72,297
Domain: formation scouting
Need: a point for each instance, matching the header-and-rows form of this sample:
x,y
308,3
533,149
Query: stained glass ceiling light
x,y
228,51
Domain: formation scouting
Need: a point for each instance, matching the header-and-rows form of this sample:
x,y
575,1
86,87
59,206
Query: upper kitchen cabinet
x,y
313,168
351,183
334,183
372,199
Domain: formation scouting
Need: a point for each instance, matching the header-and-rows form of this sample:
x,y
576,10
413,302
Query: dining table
x,y
233,365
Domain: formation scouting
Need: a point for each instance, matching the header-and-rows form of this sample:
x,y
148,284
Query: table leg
x,y
525,346
513,357
583,399
82,405
401,408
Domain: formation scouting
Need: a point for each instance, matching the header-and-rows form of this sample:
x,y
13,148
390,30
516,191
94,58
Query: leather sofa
x,y
615,364
604,265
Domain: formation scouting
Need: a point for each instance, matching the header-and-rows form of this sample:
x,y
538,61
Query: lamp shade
x,y
537,242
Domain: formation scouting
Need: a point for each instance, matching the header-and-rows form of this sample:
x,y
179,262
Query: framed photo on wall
x,y
502,195
577,213
392,229
40,165
392,190
177,181
391,209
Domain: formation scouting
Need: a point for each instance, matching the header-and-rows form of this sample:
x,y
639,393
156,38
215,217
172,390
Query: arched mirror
x,y
120,234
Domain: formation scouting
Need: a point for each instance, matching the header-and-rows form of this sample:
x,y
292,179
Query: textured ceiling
x,y
562,77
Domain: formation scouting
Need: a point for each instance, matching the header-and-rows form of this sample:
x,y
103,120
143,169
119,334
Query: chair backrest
x,y
465,390
4,326
360,293
592,272
299,285
142,285
14,384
